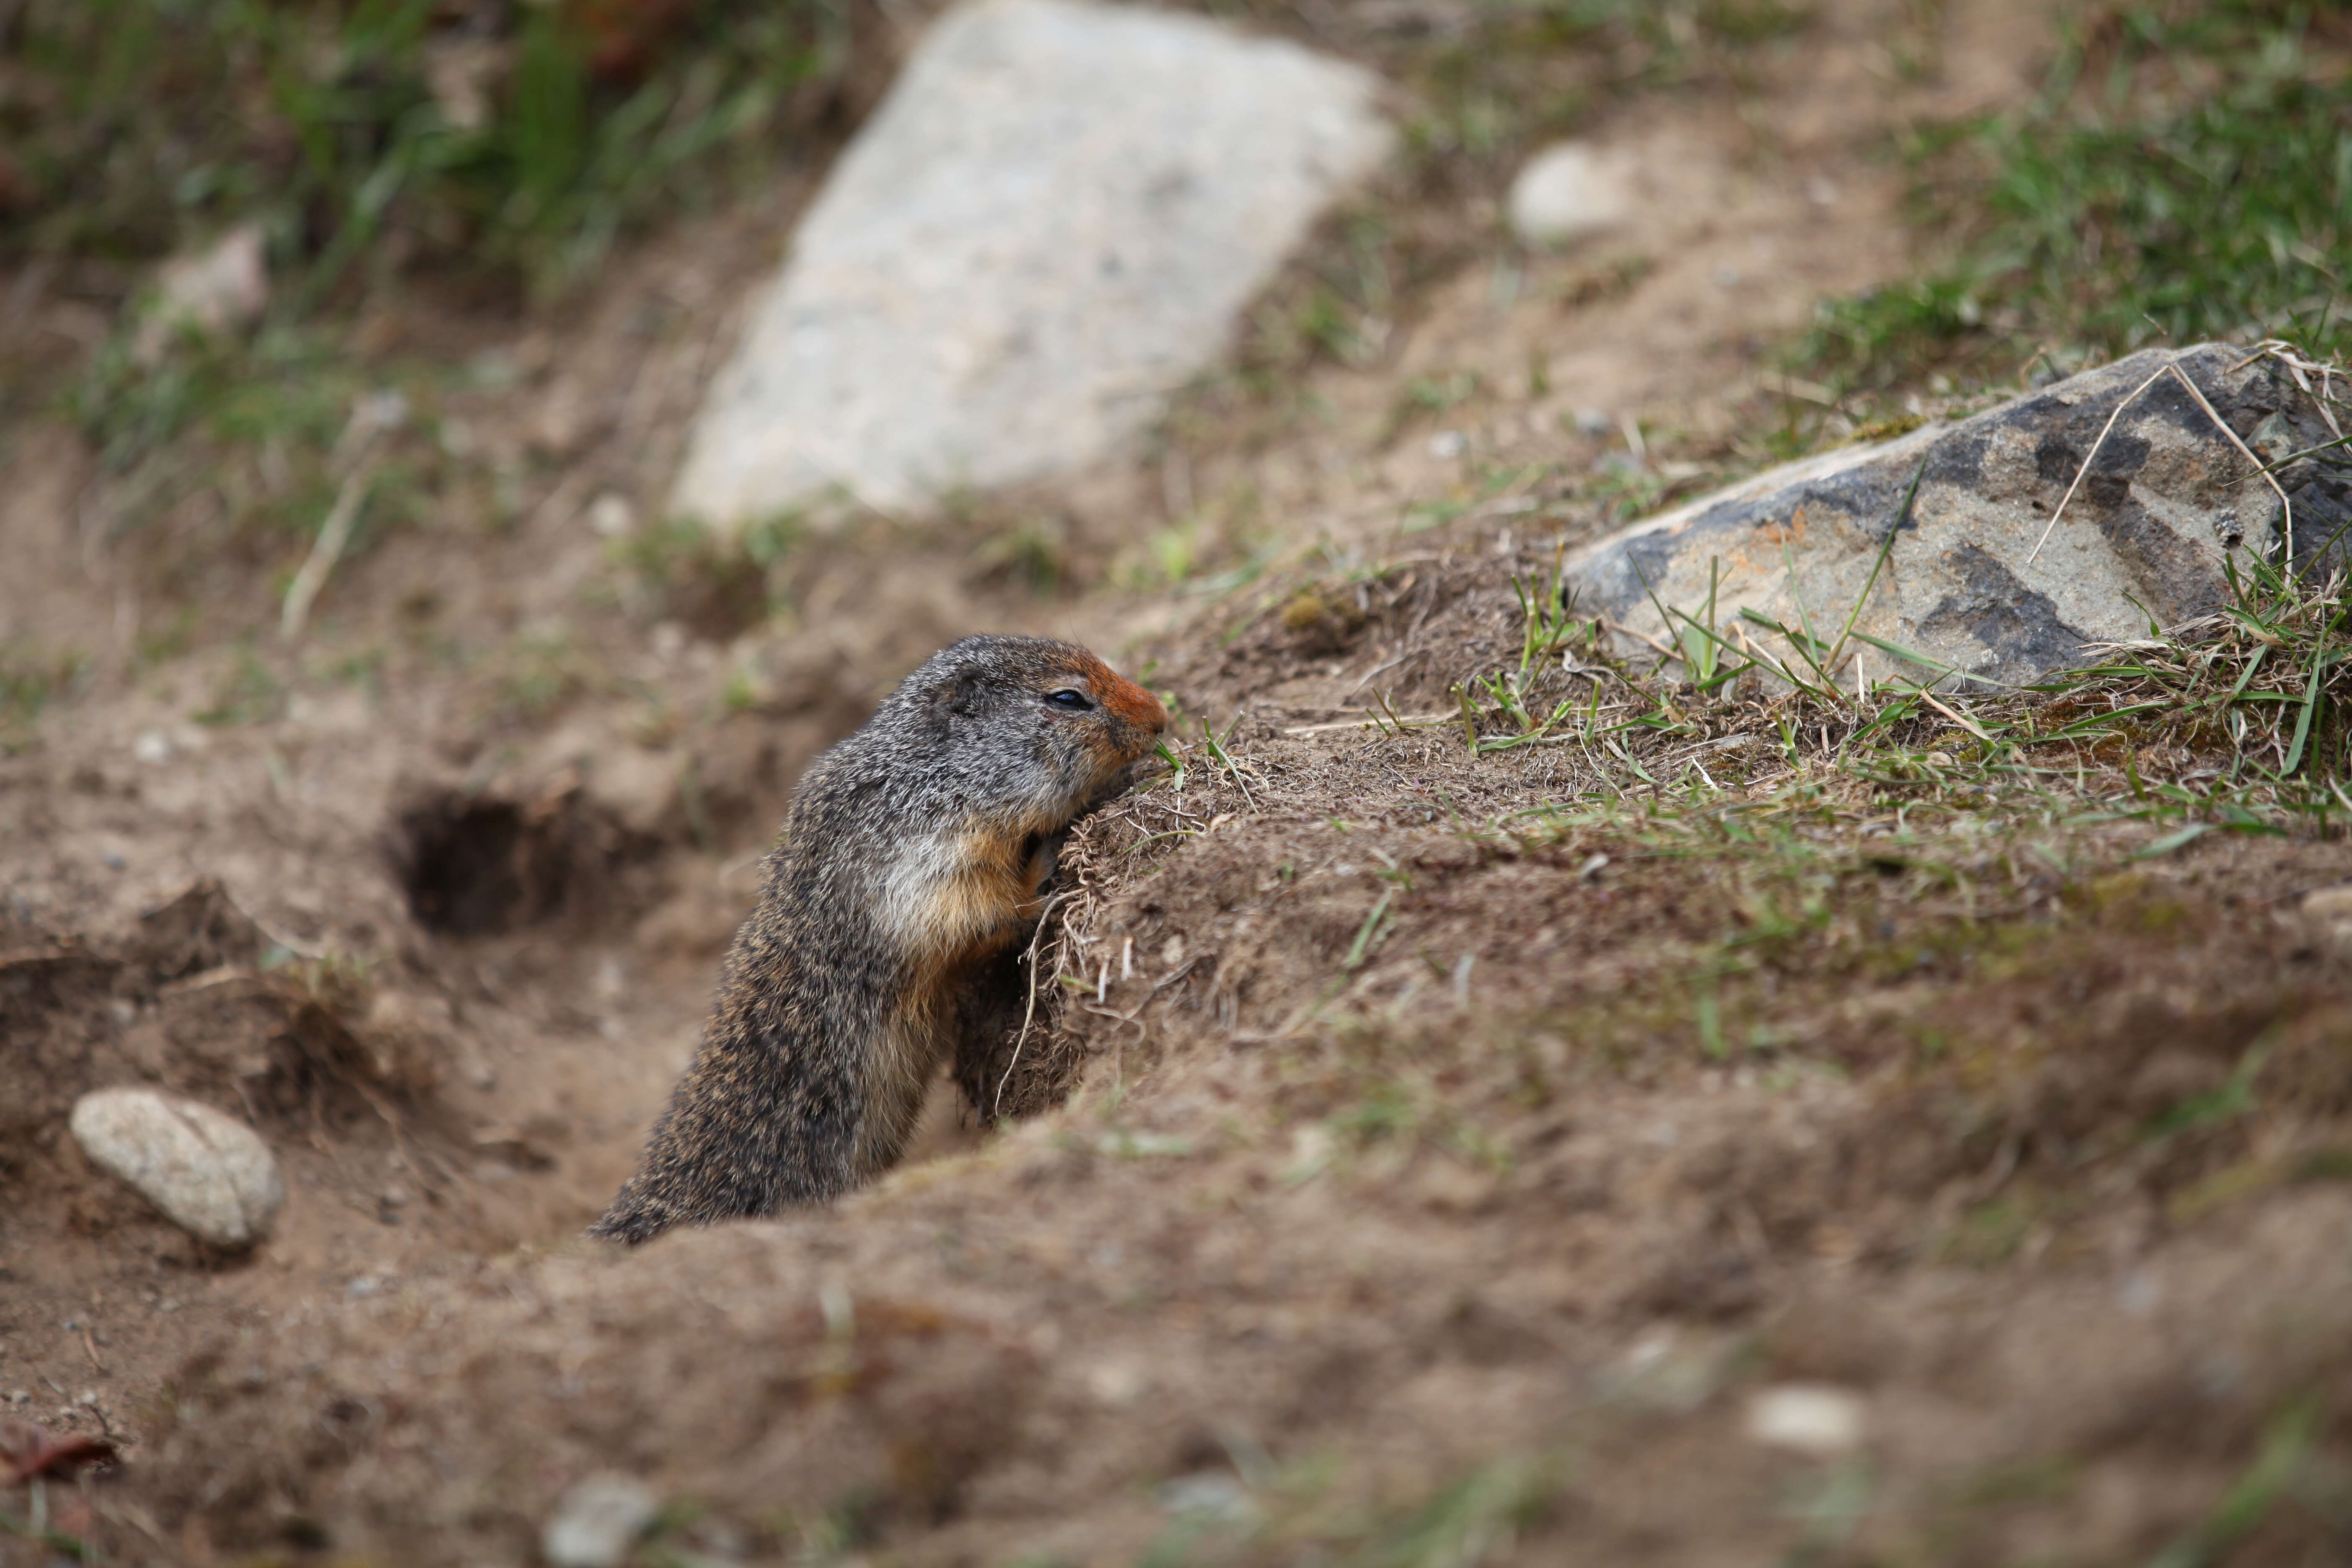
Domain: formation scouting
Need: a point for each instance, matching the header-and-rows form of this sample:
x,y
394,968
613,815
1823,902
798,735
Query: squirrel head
x,y
1034,722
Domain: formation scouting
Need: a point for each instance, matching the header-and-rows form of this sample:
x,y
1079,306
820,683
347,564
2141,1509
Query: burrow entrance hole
x,y
477,866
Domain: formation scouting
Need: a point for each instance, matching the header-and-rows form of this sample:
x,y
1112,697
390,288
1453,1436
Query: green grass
x,y
249,447
1290,1513
514,143
2238,721
290,387
30,680
2286,1442
135,126
247,692
1824,797
719,587
2186,174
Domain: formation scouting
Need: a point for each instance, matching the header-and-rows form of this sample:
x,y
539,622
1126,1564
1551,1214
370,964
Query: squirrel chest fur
x,y
911,860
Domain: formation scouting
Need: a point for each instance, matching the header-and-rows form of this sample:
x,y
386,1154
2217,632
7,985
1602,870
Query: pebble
x,y
610,516
1209,1494
1568,191
2331,904
596,1523
1118,1382
1812,1418
224,287
210,1175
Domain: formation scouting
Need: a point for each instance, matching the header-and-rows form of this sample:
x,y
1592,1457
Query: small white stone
x,y
377,413
2333,904
1568,191
223,288
1208,1494
1807,1417
1448,444
460,73
597,1521
610,516
211,1175
152,747
1118,1382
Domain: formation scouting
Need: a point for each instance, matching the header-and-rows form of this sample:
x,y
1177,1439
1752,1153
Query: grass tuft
x,y
2186,174
517,141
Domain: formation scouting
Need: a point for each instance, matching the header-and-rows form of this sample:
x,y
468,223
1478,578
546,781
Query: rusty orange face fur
x,y
1126,698
1136,719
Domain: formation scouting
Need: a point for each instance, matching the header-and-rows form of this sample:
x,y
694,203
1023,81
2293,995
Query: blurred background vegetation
x,y
2186,171
480,156
507,143
2185,174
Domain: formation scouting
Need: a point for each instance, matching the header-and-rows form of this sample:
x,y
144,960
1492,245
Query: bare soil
x,y
1395,1172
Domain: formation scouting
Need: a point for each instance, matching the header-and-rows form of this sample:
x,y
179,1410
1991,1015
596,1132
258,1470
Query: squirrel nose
x,y
1137,706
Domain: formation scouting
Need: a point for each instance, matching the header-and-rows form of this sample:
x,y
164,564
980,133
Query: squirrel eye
x,y
1071,697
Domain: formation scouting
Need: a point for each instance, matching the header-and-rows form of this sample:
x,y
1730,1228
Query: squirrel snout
x,y
1137,711
1138,708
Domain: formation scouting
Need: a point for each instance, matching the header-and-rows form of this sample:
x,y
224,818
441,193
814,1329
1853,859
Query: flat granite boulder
x,y
2166,501
1051,223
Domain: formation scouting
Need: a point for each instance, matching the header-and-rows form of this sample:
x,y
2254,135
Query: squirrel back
x,y
911,860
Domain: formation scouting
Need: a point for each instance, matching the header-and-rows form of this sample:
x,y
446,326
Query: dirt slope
x,y
1411,1171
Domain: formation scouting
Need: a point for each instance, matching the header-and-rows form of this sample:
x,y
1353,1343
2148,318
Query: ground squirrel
x,y
910,865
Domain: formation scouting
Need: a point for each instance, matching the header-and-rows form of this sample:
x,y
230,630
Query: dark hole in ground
x,y
480,865
471,867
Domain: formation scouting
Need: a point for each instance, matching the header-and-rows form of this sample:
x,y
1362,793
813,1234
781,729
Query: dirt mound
x,y
1686,1130
995,1366
1516,1145
253,932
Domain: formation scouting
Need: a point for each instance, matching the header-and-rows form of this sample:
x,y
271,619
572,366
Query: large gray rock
x,y
2145,536
211,1176
1051,223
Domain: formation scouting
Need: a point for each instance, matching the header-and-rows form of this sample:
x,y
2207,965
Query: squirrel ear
x,y
958,696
